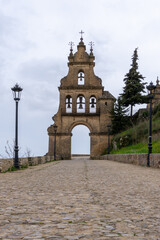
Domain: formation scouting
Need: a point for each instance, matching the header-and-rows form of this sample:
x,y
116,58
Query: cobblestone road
x,y
80,199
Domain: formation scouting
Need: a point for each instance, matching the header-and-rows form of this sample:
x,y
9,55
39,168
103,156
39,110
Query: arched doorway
x,y
80,141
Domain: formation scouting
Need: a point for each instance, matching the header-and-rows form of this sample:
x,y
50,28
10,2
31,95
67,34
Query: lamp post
x,y
109,128
150,88
55,132
16,95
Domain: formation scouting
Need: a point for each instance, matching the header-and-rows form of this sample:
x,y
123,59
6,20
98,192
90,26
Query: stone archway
x,y
84,123
80,140
98,140
81,91
76,123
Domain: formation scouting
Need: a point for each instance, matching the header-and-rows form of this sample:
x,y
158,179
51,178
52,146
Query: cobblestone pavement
x,y
80,200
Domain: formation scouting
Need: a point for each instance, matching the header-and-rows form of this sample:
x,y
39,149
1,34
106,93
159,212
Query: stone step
x,y
80,156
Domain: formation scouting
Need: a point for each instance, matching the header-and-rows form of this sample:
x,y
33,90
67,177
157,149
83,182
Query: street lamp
x,y
16,95
55,132
109,128
150,88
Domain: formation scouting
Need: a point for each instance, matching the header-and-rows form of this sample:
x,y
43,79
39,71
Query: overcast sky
x,y
34,37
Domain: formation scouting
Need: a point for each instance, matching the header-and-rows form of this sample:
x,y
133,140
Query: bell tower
x,y
82,101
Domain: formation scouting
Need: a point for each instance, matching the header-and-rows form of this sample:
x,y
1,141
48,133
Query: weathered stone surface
x,y
137,159
156,95
6,164
70,88
80,199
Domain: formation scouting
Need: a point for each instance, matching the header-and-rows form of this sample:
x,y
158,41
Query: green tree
x,y
119,117
134,85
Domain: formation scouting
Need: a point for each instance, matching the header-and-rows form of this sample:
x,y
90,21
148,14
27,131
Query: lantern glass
x,y
16,92
151,87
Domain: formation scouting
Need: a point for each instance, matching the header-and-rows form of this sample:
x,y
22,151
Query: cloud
x,y
41,79
34,38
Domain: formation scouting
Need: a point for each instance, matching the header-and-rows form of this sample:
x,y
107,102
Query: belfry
x,y
83,101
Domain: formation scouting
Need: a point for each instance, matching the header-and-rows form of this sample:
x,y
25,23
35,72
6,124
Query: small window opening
x,y
81,78
80,104
68,104
92,103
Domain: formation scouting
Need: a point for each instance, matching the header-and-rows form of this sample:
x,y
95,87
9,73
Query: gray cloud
x,y
34,38
41,80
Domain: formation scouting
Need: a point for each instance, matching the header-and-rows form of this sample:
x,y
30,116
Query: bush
x,y
121,141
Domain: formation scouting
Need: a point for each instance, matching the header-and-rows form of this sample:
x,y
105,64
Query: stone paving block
x,y
80,199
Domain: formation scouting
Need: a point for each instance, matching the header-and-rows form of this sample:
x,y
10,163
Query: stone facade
x,y
156,99
83,101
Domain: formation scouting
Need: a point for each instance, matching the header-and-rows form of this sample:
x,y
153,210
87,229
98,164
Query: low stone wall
x,y
6,164
155,160
137,159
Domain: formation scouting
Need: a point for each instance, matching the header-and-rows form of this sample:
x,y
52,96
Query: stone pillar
x,y
86,105
74,104
99,142
63,146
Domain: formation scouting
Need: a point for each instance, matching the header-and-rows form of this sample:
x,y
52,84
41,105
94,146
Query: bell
x,y
80,106
92,103
69,106
80,102
68,103
81,77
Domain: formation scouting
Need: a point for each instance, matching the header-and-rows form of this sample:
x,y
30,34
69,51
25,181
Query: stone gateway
x,y
83,101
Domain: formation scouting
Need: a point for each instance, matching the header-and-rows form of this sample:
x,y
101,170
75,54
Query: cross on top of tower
x,y
91,44
81,35
71,45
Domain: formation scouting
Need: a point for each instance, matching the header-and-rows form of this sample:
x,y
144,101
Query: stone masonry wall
x,y
6,164
137,159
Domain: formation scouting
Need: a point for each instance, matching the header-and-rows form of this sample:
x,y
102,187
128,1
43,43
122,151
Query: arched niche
x,y
68,104
92,104
81,78
80,104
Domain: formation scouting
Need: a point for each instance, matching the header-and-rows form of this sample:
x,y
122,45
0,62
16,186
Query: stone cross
x,y
91,44
71,45
81,35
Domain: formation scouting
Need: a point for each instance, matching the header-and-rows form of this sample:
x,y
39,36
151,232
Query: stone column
x,y
86,105
74,104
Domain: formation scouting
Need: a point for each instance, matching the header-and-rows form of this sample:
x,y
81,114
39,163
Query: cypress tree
x,y
119,117
134,85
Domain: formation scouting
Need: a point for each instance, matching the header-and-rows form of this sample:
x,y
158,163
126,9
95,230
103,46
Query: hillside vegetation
x,y
135,139
138,148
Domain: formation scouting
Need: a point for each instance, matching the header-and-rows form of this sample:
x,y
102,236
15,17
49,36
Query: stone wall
x,y
137,159
6,164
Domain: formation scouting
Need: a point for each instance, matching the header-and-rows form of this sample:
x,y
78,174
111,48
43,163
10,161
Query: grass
x,y
12,169
23,167
134,139
138,148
